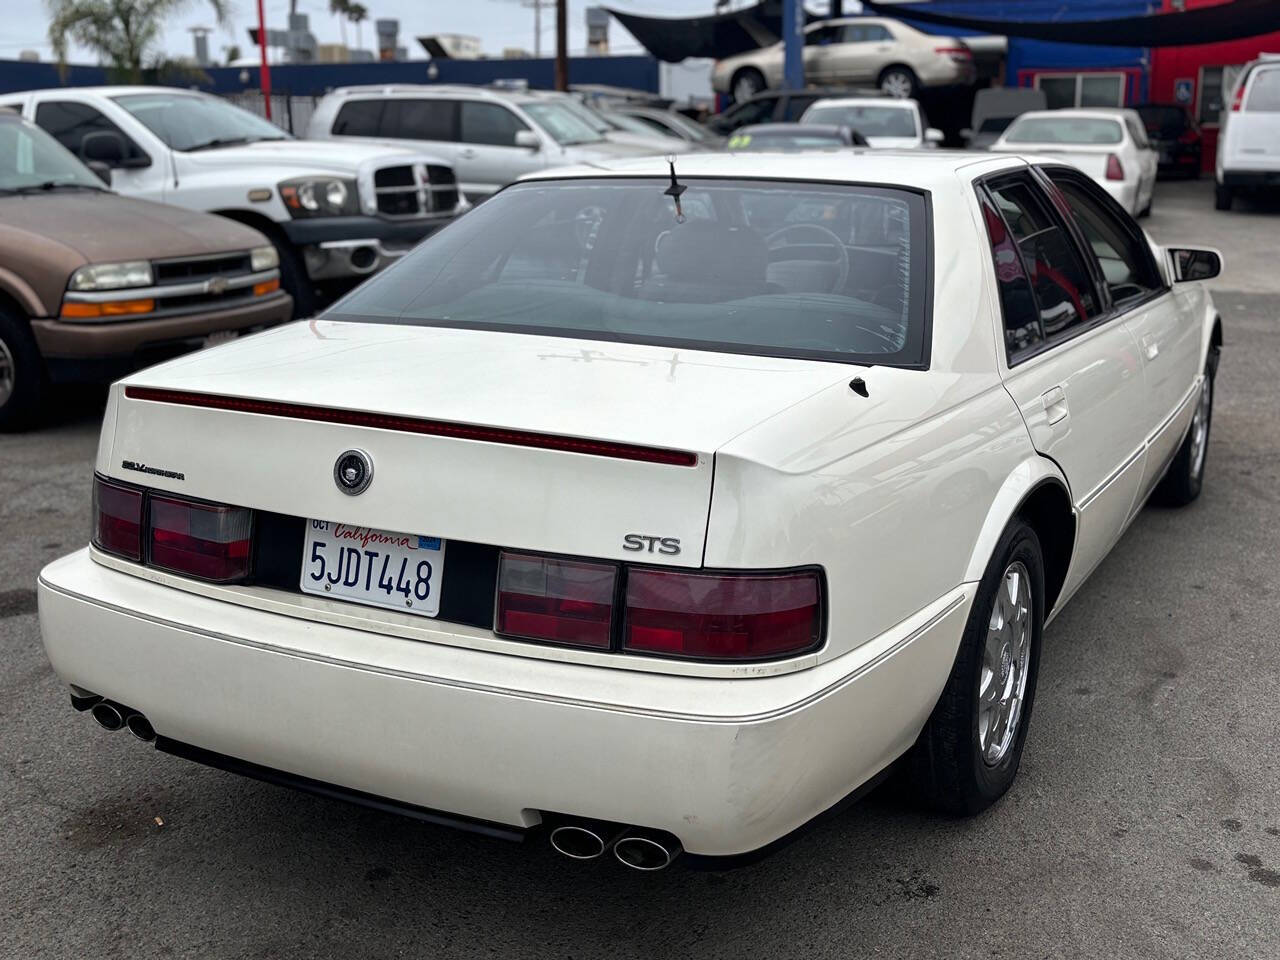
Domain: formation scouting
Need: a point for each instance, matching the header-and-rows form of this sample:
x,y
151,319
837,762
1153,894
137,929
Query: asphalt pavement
x,y
1145,821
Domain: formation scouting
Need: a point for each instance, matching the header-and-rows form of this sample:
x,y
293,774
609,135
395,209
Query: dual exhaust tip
x,y
639,849
114,716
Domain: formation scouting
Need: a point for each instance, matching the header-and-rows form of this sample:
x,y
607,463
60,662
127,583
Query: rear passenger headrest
x,y
710,253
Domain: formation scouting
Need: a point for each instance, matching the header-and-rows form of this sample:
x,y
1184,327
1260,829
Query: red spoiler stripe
x,y
432,428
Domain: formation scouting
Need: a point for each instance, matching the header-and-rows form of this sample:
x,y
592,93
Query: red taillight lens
x,y
1114,170
1237,102
1189,136
559,601
956,53
201,539
722,616
117,519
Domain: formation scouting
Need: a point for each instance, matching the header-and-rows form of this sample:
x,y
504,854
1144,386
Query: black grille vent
x,y
393,177
205,268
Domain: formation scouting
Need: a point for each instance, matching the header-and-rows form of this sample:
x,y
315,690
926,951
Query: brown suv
x,y
93,284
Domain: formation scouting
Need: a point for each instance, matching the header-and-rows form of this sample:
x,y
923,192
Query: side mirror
x,y
528,139
101,169
934,136
104,146
1195,263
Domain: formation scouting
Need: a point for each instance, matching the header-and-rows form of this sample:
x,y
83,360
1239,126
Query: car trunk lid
x,y
543,443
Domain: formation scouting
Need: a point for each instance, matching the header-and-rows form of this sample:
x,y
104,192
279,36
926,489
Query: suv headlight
x,y
320,197
111,276
263,258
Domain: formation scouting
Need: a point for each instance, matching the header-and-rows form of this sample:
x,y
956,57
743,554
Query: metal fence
x,y
289,112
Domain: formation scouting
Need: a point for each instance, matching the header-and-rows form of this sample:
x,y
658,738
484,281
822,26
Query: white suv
x,y
1249,143
333,212
490,137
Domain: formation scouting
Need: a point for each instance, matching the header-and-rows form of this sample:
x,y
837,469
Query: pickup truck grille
x,y
193,269
415,190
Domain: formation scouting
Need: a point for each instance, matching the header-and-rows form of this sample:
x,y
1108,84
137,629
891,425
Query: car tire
x,y
23,380
898,81
1222,197
746,83
968,754
295,280
1184,479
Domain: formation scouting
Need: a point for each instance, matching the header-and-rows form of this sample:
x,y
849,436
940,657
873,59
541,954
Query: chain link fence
x,y
289,112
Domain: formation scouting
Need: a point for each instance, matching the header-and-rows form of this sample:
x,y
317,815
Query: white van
x,y
1249,144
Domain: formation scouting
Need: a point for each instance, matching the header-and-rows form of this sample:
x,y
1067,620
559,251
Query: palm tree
x,y
341,9
356,12
121,32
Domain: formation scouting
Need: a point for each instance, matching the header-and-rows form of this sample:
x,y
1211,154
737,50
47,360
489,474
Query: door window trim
x,y
1107,313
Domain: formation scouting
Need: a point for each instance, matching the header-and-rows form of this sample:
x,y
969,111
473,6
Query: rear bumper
x,y
105,351
1246,179
728,766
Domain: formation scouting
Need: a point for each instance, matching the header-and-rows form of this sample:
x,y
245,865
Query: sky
x,y
498,23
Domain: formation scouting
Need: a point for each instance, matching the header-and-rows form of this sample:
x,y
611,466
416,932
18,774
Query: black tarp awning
x,y
1227,21
718,36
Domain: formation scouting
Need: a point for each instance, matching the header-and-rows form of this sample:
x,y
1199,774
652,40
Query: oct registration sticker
x,y
398,571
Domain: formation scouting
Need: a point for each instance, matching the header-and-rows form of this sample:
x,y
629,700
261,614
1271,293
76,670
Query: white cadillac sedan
x,y
646,512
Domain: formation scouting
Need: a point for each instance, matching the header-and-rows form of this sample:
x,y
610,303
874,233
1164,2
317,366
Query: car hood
x,y
104,227
326,156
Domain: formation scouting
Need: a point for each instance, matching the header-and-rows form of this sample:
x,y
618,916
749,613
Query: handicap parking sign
x,y
1183,90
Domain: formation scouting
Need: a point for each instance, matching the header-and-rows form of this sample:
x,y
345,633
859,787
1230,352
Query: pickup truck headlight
x,y
320,197
263,258
111,276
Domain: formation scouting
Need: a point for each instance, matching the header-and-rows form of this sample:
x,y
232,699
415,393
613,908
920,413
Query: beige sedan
x,y
897,58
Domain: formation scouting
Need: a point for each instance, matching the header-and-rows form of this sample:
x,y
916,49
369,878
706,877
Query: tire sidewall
x,y
1195,478
912,82
29,372
1019,544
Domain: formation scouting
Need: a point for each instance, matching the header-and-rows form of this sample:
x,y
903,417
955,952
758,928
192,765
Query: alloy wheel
x,y
1200,428
8,373
897,85
1005,661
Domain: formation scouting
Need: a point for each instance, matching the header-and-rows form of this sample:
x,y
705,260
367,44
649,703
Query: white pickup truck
x,y
334,211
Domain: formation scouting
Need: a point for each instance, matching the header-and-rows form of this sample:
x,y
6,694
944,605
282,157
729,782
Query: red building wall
x,y
1201,65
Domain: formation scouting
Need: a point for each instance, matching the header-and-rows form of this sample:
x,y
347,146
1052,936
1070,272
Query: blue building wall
x,y
1030,55
638,72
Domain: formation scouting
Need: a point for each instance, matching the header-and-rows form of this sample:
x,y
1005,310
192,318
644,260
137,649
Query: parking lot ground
x,y
1145,822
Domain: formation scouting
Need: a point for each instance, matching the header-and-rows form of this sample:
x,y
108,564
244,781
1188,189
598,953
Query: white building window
x,y
1082,89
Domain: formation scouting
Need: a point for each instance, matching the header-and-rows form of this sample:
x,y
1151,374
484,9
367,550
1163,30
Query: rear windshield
x,y
1264,93
763,267
869,121
1064,130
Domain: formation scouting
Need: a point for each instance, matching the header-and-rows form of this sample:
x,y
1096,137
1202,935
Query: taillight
x,y
1114,170
746,616
117,519
1237,102
957,53
558,601
203,540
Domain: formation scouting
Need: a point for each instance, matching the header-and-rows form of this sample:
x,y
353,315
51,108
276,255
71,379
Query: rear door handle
x,y
467,153
1150,347
1055,405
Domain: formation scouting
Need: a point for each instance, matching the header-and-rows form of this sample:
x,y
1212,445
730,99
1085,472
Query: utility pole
x,y
562,44
264,72
537,6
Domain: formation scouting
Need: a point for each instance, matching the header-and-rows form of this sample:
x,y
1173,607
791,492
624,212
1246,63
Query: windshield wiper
x,y
50,185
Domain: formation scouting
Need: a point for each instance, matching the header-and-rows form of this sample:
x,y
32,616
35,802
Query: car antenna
x,y
675,189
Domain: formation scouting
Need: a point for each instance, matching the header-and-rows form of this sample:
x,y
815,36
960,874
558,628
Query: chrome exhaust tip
x,y
140,727
648,851
579,841
108,715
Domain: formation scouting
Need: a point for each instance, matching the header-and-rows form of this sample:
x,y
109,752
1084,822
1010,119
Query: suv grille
x,y
415,191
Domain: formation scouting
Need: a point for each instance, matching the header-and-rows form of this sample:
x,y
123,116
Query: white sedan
x,y
649,512
1109,144
885,123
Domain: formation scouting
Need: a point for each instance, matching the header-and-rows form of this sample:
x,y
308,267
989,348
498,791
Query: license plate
x,y
381,568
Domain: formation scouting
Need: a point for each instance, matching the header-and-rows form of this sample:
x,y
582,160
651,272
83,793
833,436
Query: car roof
x,y
435,89
866,102
112,91
913,169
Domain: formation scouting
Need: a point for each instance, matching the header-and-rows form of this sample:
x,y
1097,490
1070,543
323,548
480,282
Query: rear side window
x,y
489,123
797,105
1264,93
71,122
421,119
360,118
1064,294
1122,253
